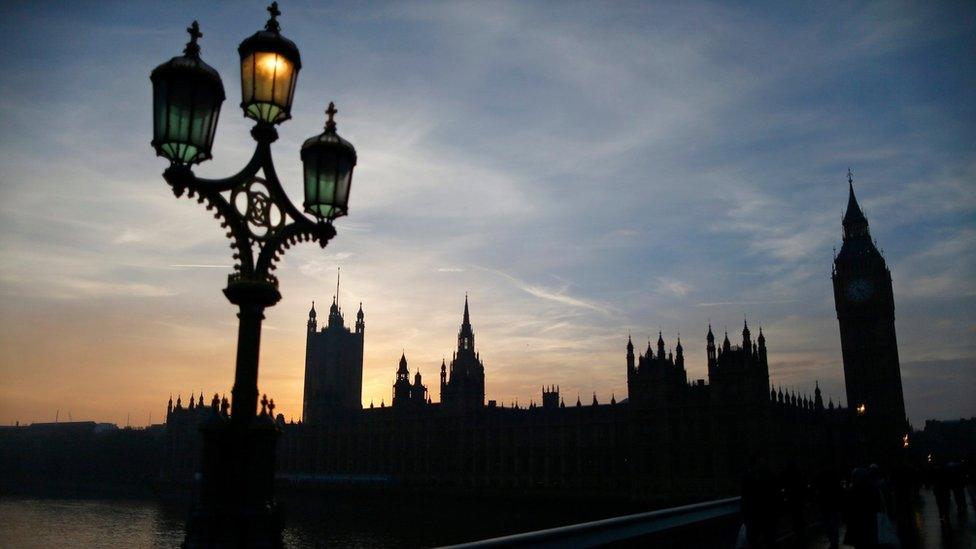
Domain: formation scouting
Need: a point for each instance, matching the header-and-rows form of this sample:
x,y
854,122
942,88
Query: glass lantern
x,y
328,161
269,69
187,94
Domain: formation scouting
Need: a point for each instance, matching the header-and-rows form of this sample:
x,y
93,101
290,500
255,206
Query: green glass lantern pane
x,y
326,191
180,105
342,179
266,112
183,152
311,186
202,118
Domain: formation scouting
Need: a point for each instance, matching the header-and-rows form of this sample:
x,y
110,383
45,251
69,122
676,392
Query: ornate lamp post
x,y
236,502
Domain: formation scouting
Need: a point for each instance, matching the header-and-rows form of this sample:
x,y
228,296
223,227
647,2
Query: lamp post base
x,y
235,504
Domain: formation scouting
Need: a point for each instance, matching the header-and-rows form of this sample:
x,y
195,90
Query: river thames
x,y
345,520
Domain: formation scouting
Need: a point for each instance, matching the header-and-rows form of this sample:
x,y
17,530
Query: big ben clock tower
x,y
866,313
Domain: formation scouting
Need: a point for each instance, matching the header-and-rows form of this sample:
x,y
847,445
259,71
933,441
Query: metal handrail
x,y
611,530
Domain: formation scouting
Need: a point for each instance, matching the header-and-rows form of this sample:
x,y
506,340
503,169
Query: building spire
x,y
466,334
402,371
855,224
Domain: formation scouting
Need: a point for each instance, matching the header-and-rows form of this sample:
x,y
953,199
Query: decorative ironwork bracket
x,y
260,220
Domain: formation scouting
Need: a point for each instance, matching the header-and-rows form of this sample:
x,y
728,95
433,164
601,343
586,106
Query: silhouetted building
x,y
333,365
406,395
463,386
866,312
942,441
79,455
670,438
182,441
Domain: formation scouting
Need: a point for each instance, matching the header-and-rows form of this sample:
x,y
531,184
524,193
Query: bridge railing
x,y
630,528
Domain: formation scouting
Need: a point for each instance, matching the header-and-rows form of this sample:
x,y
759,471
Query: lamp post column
x,y
245,391
251,298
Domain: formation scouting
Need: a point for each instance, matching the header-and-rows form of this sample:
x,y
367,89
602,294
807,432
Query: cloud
x,y
551,294
82,289
127,236
674,287
738,303
561,297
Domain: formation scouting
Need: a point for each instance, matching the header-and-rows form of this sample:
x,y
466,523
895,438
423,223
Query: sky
x,y
582,170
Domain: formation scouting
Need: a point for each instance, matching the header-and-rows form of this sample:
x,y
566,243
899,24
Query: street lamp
x,y
269,68
236,500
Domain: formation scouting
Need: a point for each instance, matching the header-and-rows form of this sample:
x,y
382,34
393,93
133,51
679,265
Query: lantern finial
x,y
192,49
272,24
330,125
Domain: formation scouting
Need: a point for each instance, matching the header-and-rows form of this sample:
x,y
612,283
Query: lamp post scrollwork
x,y
236,505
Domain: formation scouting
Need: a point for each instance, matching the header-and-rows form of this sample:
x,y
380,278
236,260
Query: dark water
x,y
26,522
344,520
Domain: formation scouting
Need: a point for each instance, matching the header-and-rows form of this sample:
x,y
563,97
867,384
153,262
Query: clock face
x,y
859,289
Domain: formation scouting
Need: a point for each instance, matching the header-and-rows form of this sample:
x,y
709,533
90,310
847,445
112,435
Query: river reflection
x,y
336,520
47,523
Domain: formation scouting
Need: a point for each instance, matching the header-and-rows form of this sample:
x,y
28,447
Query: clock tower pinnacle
x,y
866,312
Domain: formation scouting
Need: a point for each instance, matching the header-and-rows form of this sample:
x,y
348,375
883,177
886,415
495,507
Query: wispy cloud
x,y
738,303
557,295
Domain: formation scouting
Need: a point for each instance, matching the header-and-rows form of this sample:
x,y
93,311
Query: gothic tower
x,y
333,365
866,313
465,386
401,388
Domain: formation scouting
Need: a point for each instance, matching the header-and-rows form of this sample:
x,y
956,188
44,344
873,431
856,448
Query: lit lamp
x,y
187,94
328,161
269,69
861,409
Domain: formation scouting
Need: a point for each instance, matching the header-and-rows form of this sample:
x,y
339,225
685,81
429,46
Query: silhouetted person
x,y
905,481
862,518
759,505
830,494
940,487
956,477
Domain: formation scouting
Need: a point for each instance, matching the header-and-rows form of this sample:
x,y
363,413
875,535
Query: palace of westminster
x,y
669,437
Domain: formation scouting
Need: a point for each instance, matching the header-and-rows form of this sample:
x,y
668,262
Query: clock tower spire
x,y
866,312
